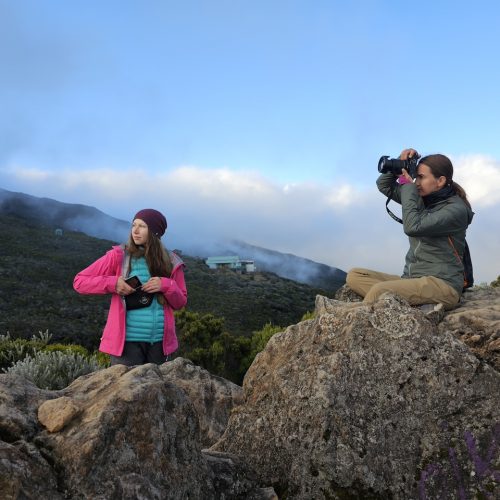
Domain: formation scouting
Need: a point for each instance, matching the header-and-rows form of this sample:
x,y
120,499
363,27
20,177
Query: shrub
x,y
67,348
496,283
43,337
258,343
54,370
261,338
102,358
14,350
196,330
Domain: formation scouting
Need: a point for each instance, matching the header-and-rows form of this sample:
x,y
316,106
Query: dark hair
x,y
441,165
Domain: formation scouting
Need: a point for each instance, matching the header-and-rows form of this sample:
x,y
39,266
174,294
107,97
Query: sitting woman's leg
x,y
426,290
362,280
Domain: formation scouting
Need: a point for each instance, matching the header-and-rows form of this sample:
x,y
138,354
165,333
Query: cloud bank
x,y
340,224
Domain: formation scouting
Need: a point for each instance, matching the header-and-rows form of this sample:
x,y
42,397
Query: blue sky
x,y
259,120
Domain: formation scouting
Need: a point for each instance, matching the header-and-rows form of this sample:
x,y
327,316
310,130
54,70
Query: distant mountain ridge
x,y
69,216
93,222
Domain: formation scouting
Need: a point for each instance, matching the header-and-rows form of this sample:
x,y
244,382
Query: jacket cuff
x,y
111,284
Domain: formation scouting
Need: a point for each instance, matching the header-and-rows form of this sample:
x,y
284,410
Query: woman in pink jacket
x,y
140,327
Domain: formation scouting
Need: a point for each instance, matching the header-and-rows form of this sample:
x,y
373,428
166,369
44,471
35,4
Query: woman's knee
x,y
353,274
378,289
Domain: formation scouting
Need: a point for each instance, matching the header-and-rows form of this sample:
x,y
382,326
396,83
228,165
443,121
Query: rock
x,y
19,402
346,294
324,305
363,401
234,479
56,413
213,397
369,401
476,322
24,473
124,433
433,312
135,436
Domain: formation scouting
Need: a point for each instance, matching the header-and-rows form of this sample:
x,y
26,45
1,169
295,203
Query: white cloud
x,y
479,175
221,181
28,175
343,196
342,225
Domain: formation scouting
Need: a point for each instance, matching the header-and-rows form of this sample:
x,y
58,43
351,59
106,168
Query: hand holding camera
x,y
408,160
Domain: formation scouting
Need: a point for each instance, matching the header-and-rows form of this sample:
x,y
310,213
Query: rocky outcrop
x,y
359,402
475,321
118,433
370,402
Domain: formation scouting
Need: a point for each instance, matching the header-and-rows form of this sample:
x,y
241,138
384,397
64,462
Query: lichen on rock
x,y
362,401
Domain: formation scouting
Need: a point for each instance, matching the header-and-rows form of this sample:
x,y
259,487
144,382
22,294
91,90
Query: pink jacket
x,y
101,277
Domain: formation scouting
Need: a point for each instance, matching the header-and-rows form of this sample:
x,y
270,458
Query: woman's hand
x,y
405,177
122,287
408,153
153,285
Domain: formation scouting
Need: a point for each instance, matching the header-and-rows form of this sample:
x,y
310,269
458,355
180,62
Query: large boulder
x,y
369,402
119,433
475,321
127,434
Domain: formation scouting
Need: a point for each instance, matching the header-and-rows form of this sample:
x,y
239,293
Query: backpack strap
x,y
466,262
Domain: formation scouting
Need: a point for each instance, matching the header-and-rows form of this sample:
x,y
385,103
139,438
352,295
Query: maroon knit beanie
x,y
155,220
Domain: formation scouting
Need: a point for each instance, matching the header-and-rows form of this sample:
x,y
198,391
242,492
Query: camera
x,y
395,166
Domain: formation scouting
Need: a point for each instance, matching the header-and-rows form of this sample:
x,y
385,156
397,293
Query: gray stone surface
x,y
19,402
120,433
369,402
135,435
476,322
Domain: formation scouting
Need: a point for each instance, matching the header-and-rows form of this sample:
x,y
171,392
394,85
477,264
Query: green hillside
x,y
37,269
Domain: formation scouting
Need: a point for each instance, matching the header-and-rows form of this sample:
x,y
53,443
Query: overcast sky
x,y
260,120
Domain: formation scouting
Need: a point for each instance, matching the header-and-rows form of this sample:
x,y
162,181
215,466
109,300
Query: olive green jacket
x,y
436,234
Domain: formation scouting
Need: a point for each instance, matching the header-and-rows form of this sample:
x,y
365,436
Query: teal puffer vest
x,y
146,324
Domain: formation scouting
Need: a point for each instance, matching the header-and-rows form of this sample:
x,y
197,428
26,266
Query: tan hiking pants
x,y
427,290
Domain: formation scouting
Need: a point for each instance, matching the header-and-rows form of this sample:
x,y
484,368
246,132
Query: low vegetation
x,y
204,341
202,338
48,366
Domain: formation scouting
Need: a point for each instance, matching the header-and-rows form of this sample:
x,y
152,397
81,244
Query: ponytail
x,y
460,192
